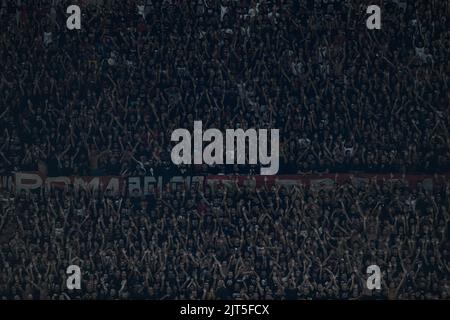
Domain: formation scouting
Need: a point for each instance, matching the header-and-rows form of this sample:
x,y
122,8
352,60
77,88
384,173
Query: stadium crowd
x,y
105,99
236,242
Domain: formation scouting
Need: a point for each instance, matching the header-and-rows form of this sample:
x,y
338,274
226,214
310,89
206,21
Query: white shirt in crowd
x,y
47,38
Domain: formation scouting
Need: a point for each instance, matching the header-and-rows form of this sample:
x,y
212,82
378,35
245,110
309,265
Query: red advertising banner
x,y
328,180
33,180
148,184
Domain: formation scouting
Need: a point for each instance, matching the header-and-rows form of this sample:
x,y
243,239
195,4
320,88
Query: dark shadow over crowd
x,y
105,99
229,243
